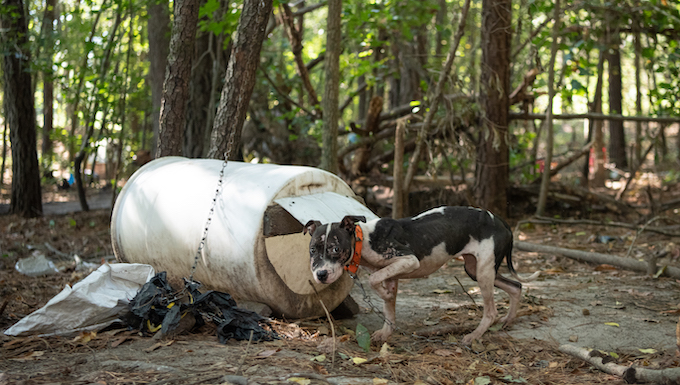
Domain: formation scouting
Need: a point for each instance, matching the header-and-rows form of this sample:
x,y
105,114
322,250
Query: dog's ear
x,y
348,221
310,227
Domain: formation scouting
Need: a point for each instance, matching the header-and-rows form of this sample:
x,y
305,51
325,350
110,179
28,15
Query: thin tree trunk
x,y
331,114
492,172
239,79
545,182
48,85
4,151
81,82
123,109
596,127
158,26
638,97
26,198
617,140
177,74
295,37
77,162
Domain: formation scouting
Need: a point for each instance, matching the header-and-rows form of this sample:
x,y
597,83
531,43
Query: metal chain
x,y
211,212
370,304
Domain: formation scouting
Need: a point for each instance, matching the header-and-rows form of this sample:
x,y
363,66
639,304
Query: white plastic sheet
x,y
91,304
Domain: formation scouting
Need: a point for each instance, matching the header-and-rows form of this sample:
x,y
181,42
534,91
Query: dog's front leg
x,y
385,284
389,311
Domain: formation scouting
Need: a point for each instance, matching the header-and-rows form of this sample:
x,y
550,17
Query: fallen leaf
x,y
358,360
379,381
300,380
647,351
29,356
268,353
384,350
430,323
85,337
363,338
319,358
442,291
611,324
445,352
605,267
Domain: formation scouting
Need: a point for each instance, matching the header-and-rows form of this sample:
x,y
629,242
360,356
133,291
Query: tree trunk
x,y
617,140
239,79
199,96
491,173
599,172
177,74
331,114
158,26
638,96
48,85
549,143
4,152
26,199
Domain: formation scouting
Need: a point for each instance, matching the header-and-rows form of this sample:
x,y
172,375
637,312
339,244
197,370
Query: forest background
x,y
475,95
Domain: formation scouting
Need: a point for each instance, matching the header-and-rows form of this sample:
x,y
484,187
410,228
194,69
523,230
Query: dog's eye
x,y
312,250
336,249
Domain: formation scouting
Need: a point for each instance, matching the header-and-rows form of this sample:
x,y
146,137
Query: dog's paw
x,y
507,321
380,337
467,340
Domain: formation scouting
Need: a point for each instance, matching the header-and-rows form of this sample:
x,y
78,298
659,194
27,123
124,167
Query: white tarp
x,y
325,207
91,304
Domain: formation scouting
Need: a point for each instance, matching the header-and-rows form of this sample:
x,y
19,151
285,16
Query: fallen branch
x,y
631,375
624,263
658,230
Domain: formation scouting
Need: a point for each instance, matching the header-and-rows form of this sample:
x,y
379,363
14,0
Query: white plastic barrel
x,y
255,249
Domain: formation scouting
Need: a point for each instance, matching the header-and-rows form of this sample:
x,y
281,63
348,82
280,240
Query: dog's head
x,y
331,247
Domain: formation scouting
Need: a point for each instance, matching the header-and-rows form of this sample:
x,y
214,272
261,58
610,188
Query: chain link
x,y
211,212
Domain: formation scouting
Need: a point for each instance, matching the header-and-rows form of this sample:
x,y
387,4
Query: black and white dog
x,y
415,248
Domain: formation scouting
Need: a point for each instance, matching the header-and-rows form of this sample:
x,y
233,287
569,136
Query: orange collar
x,y
356,258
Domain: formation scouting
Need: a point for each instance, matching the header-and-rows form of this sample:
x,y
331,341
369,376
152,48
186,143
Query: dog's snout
x,y
322,275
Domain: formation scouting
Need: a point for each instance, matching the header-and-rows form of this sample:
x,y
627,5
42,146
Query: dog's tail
x,y
508,258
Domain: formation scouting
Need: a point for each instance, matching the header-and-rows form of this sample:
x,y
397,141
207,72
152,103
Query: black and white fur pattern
x,y
415,248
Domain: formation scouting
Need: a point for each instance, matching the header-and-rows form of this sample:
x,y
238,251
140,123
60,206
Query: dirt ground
x,y
631,314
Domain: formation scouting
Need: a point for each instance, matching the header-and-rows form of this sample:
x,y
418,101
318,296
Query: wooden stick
x,y
630,374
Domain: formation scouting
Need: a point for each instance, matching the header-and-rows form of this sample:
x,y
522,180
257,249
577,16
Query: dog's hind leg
x,y
514,290
481,268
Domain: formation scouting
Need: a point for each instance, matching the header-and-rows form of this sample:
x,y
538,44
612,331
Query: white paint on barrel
x,y
161,212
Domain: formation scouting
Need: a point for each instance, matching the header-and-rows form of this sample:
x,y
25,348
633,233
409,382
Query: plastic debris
x,y
97,301
157,306
36,265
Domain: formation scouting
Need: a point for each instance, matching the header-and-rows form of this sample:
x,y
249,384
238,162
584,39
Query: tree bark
x,y
158,26
617,140
5,130
331,113
26,198
491,173
239,79
177,74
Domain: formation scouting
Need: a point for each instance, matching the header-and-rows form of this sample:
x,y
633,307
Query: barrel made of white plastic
x,y
161,213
